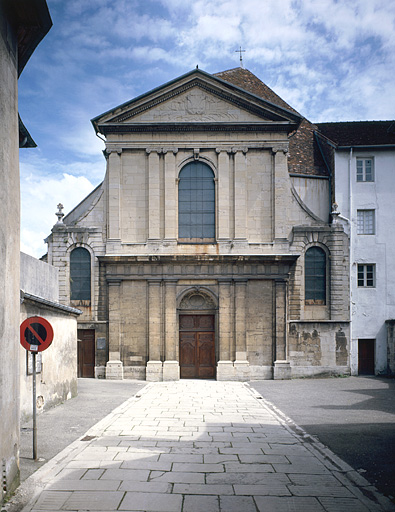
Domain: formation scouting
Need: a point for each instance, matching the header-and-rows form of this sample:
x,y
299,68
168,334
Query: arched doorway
x,y
197,335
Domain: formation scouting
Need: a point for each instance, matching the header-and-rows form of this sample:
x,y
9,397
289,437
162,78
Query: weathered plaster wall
x,y
371,307
57,380
9,257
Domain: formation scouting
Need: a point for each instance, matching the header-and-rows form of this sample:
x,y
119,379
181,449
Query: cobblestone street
x,y
199,446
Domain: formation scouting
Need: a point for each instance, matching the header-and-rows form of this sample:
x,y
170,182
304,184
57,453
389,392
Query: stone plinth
x,y
242,370
114,370
282,370
171,370
154,372
225,370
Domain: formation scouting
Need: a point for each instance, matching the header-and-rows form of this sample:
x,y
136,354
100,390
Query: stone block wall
x,y
319,348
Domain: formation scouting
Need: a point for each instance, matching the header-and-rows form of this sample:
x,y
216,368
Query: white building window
x,y
365,222
365,170
367,276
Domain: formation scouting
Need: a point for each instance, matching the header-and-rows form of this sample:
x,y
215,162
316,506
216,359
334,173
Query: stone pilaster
x,y
282,367
154,364
241,365
114,366
282,194
170,203
153,196
225,367
114,194
223,193
171,367
240,198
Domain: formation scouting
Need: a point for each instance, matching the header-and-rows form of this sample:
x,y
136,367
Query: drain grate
x,y
88,438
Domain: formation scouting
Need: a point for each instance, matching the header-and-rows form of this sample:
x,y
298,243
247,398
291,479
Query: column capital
x,y
154,281
240,280
113,282
170,149
280,148
113,149
170,281
240,149
150,150
225,280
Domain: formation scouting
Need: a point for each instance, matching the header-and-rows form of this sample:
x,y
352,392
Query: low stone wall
x,y
319,348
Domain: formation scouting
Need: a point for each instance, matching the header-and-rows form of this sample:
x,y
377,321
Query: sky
x,y
331,60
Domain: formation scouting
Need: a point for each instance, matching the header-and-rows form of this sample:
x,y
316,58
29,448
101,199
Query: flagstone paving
x,y
200,446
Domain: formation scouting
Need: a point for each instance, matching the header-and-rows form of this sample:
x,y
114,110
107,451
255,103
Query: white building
x,y
364,162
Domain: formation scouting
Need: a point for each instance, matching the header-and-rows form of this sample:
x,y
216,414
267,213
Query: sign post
x,y
36,335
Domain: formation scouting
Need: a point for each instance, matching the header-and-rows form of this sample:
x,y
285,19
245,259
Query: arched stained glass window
x,y
80,274
196,203
315,276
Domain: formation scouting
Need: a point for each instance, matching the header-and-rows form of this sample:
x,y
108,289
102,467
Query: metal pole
x,y
34,409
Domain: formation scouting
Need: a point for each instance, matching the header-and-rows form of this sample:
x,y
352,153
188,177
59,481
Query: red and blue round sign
x,y
36,334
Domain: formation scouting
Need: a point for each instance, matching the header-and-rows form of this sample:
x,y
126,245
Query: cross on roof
x,y
241,57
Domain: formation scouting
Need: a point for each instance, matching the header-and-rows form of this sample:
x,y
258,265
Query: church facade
x,y
209,250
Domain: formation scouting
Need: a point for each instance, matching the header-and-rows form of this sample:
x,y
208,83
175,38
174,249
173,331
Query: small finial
x,y
335,214
60,213
197,66
241,57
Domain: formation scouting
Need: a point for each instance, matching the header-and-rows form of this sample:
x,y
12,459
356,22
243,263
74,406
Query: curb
x,y
26,494
348,476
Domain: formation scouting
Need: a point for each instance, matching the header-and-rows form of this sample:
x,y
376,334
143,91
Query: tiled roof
x,y
304,155
249,82
359,133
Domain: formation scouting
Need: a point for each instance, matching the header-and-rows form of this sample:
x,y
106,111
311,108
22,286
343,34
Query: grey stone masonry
x,y
190,445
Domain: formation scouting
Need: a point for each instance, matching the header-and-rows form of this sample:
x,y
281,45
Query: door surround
x,y
199,301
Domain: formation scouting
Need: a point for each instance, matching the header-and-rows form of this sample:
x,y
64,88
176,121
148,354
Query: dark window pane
x,y
315,276
80,274
196,197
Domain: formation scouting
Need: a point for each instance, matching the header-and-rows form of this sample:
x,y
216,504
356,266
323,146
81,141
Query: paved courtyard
x,y
199,446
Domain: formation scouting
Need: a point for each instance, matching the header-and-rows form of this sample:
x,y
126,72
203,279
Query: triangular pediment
x,y
195,106
196,97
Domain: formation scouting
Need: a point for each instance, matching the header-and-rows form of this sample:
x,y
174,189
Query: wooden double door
x,y
197,346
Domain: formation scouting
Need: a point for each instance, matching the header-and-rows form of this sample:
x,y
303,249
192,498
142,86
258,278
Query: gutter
x,y
49,303
373,146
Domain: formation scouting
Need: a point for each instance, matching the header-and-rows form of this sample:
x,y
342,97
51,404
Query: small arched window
x,y
315,276
196,203
80,274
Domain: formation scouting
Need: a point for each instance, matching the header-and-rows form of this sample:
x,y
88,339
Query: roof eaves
x,y
296,117
94,121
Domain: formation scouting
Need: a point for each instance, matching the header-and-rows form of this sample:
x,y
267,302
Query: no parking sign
x,y
36,334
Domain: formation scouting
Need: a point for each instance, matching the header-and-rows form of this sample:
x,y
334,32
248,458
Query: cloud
x,y
40,194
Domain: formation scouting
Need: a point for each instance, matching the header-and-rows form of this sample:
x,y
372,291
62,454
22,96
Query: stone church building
x,y
209,250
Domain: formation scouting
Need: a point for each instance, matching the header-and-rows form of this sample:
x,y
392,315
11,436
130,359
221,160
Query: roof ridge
x,y
254,85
